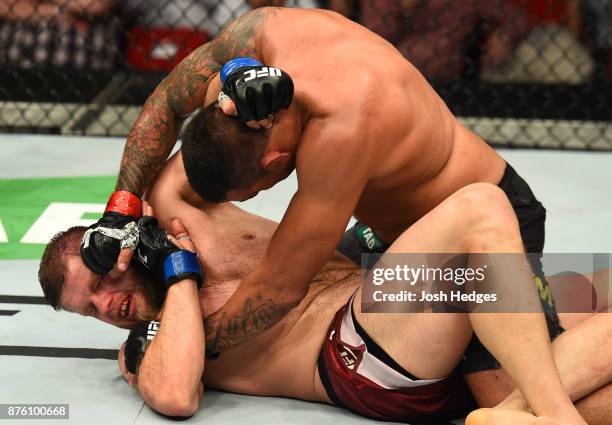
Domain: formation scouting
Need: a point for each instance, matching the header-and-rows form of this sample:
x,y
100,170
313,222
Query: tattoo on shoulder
x,y
238,38
225,332
185,87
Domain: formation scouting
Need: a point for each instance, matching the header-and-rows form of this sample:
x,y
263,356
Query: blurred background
x,y
527,73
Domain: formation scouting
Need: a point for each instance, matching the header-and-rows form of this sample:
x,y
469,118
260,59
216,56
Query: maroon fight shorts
x,y
359,376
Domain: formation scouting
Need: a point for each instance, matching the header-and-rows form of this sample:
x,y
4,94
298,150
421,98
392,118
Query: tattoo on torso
x,y
224,332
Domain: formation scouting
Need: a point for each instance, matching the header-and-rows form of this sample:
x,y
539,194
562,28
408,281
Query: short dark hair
x,y
52,270
221,154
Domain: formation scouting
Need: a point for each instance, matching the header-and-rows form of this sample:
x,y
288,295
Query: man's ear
x,y
275,161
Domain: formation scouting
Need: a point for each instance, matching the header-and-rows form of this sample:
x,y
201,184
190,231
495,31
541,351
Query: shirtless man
x,y
303,355
367,134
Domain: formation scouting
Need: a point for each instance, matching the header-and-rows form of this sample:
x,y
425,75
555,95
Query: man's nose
x,y
102,300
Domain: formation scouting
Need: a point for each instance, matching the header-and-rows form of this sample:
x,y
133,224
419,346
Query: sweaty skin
x,y
282,360
367,134
231,243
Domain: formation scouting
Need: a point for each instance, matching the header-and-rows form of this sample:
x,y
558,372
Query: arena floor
x,y
50,182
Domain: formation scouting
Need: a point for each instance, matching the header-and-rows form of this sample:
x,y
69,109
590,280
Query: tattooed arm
x,y
108,245
329,187
178,95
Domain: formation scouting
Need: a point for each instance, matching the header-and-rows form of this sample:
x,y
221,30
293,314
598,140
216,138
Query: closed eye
x,y
91,308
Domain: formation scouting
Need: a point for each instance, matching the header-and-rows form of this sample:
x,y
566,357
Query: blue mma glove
x,y
256,89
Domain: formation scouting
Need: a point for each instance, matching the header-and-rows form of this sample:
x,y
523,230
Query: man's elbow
x,y
175,404
172,400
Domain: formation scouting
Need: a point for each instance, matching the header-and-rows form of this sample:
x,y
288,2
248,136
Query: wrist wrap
x,y
234,64
126,203
181,265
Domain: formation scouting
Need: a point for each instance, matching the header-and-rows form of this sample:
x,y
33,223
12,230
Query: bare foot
x,y
507,416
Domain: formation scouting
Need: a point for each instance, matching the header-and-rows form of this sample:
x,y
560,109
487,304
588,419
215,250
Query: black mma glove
x,y
158,254
257,90
116,230
136,344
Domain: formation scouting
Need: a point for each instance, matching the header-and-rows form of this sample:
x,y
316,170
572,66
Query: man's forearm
x,y
182,92
149,143
294,256
172,368
156,129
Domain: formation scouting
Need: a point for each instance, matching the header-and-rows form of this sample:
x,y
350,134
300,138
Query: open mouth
x,y
126,308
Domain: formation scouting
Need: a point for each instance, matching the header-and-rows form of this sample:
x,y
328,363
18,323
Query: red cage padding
x,y
161,49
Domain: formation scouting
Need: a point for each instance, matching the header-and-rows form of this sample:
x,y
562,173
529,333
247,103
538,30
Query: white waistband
x,y
370,366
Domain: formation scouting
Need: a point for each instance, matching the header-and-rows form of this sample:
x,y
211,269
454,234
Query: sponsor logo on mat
x,y
33,210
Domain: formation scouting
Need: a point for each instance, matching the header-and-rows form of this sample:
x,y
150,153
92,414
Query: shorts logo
x,y
544,291
369,239
349,358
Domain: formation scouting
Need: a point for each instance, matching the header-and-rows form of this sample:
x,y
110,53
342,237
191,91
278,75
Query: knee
x,y
485,208
482,193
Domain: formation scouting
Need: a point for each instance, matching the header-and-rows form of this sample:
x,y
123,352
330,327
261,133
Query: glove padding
x,y
136,344
257,90
117,229
158,254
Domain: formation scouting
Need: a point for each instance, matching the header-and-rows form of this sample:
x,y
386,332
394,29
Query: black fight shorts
x,y
531,217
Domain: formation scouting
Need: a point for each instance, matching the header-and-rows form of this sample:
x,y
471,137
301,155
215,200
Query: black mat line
x,y
9,312
81,353
22,299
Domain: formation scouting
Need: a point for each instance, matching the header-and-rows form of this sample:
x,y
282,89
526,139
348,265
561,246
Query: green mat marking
x,y
23,200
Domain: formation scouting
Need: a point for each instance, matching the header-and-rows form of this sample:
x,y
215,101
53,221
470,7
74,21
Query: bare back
x,y
282,360
356,83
